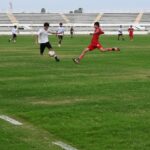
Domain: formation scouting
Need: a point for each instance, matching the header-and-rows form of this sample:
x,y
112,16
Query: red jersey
x,y
97,33
131,30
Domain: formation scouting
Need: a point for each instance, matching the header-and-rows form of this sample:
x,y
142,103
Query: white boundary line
x,y
10,120
58,143
64,145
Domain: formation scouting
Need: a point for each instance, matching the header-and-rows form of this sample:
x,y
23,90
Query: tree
x,y
71,12
79,10
43,10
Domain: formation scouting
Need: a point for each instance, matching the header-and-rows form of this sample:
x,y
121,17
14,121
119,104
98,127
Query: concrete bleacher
x,y
38,18
84,18
118,18
4,19
146,18
83,23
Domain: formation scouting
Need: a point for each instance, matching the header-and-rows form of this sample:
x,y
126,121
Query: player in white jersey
x,y
43,40
120,33
60,34
14,31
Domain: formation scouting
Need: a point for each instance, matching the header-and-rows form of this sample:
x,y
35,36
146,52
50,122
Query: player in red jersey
x,y
131,32
94,44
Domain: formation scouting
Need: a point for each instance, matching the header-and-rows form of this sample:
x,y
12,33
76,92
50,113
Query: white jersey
x,y
60,31
14,30
120,31
42,36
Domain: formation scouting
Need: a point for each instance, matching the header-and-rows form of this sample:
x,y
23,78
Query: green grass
x,y
101,104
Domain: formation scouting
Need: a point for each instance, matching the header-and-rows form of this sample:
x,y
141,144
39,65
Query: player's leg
x,y
122,37
118,36
77,60
60,40
11,38
48,45
131,37
109,49
83,53
102,49
55,55
42,48
71,34
14,38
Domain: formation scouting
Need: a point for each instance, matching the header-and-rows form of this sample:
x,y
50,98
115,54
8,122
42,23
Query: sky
x,y
68,5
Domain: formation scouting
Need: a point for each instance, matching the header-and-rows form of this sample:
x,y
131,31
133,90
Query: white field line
x,y
10,120
64,145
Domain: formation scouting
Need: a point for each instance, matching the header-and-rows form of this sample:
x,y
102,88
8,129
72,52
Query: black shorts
x,y
60,37
14,35
43,46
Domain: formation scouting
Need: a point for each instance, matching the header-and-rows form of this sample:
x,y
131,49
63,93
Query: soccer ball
x,y
51,53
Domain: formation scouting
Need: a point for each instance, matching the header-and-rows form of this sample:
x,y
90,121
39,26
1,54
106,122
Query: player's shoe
x,y
76,60
115,49
59,45
57,59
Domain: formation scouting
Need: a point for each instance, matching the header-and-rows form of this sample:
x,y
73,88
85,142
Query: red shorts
x,y
131,35
93,46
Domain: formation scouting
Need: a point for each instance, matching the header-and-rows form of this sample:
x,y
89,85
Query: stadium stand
x,y
84,18
146,18
82,22
38,18
118,18
4,19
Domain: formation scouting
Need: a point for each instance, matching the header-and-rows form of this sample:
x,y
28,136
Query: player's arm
x,y
37,36
51,32
97,32
101,31
61,32
18,30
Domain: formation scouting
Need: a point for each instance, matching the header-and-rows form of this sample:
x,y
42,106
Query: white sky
x,y
67,5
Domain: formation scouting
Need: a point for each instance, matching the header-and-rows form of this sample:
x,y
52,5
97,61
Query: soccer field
x,y
101,104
